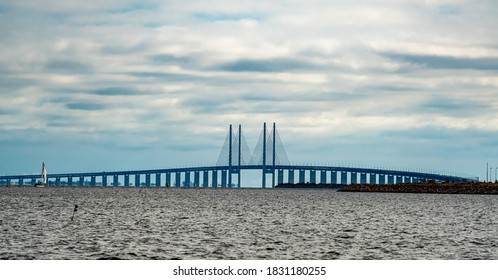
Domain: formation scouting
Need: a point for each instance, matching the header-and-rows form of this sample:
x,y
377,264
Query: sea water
x,y
179,223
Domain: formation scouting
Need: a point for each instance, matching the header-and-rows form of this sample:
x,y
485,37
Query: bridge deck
x,y
268,169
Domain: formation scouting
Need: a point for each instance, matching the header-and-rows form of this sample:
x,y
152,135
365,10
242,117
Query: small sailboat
x,y
43,180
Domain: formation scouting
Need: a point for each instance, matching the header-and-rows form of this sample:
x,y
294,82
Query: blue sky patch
x,y
449,10
134,7
226,17
86,106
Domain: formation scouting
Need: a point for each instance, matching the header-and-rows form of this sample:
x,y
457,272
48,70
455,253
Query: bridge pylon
x,y
268,153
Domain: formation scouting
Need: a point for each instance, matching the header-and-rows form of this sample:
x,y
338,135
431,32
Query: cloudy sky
x,y
110,85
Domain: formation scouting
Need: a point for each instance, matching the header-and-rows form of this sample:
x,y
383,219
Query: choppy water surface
x,y
140,223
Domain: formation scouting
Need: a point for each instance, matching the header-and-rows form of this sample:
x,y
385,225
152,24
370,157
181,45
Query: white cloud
x,y
318,68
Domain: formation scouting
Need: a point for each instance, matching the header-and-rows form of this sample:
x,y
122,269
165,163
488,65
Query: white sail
x,y
44,174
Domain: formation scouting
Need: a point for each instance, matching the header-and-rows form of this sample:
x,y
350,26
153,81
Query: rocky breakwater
x,y
451,188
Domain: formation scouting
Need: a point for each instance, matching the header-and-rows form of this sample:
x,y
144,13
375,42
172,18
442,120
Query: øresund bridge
x,y
269,157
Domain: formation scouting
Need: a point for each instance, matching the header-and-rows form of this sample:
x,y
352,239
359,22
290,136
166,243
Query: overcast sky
x,y
110,85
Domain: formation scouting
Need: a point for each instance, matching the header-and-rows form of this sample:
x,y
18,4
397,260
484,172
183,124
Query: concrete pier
x,y
280,176
168,179
302,176
323,177
196,179
223,178
312,176
333,177
214,178
187,179
205,179
382,179
344,177
354,178
399,179
137,180
363,178
290,175
178,179
373,178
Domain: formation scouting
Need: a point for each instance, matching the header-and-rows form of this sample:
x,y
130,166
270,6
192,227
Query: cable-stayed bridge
x,y
269,157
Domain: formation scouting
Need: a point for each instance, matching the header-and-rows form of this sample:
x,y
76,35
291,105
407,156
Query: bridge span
x,y
269,157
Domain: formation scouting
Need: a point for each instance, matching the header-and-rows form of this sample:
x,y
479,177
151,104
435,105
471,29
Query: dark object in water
x,y
75,209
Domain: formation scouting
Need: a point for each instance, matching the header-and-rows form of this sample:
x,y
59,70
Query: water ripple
x,y
140,223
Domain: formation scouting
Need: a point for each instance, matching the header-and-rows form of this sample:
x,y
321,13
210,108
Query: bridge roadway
x,y
217,176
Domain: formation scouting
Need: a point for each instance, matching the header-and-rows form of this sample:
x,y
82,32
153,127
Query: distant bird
x,y
75,209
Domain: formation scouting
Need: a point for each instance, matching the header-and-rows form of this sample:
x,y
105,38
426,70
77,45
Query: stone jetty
x,y
430,187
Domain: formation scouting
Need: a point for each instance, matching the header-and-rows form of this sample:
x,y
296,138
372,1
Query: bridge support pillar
x,y
214,179
21,181
205,178
70,181
333,177
390,179
302,177
158,179
187,179
115,180
137,180
280,176
168,179
104,180
33,181
363,178
93,181
196,179
354,178
273,177
344,178
407,179
223,178
323,177
126,180
178,179
313,176
290,176
147,180
382,179
82,181
373,179
399,179
57,181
